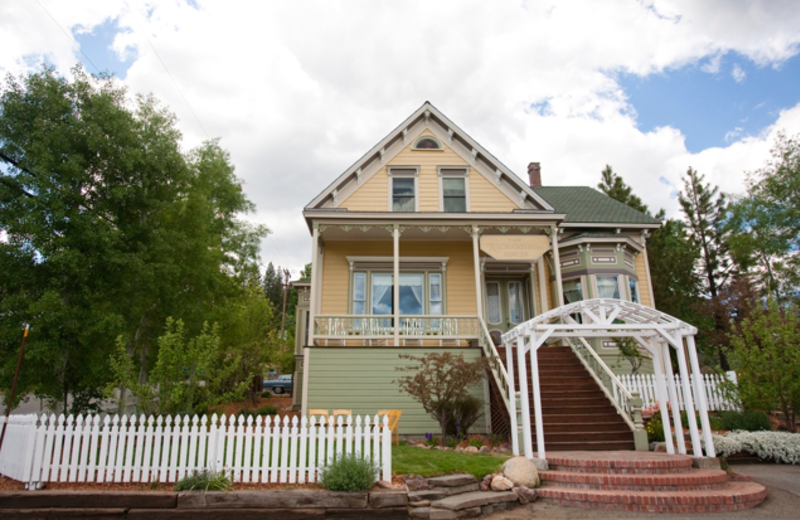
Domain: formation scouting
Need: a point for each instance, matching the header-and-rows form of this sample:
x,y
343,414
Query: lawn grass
x,y
430,463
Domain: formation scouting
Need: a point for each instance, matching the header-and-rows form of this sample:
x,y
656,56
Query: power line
x,y
169,73
69,36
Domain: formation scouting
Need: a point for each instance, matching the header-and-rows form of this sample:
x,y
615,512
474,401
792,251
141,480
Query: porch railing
x,y
496,366
416,327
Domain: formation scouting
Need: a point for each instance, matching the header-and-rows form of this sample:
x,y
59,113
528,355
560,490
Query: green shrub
x,y
349,473
267,410
655,429
205,480
714,421
749,421
462,415
266,394
476,441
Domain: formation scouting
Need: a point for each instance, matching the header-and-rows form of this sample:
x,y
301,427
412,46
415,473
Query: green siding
x,y
364,380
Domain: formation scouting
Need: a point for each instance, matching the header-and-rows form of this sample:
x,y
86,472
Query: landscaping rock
x,y
474,499
419,503
447,491
452,480
485,449
661,447
522,472
501,483
526,495
486,483
442,514
416,483
383,499
471,449
425,494
473,512
420,512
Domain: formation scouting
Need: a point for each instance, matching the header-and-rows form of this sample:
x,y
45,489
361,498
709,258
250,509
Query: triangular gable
x,y
428,119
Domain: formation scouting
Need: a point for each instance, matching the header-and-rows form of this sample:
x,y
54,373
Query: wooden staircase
x,y
576,414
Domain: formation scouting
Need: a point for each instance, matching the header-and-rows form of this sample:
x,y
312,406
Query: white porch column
x,y
476,256
527,444
534,304
512,401
661,395
396,284
537,399
700,392
314,295
557,267
673,397
688,402
542,285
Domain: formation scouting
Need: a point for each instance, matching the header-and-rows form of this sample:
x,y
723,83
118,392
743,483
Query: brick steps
x,y
646,482
576,415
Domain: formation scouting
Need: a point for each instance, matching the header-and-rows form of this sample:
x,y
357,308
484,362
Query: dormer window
x,y
427,143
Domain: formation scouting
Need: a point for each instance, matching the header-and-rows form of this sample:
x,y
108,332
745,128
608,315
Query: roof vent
x,y
535,175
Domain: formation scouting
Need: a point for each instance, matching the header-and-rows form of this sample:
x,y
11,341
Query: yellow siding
x,y
459,278
644,283
373,195
485,197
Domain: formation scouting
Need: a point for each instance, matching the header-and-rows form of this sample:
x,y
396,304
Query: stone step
x,y
696,480
474,499
736,496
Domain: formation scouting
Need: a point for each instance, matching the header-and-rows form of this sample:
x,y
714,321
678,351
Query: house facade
x,y
429,242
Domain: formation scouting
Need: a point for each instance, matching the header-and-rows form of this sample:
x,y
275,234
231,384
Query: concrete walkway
x,y
783,502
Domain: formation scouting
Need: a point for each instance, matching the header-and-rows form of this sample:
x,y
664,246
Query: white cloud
x,y
300,90
738,74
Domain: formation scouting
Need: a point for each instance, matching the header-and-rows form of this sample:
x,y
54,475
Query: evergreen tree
x,y
273,286
613,186
704,211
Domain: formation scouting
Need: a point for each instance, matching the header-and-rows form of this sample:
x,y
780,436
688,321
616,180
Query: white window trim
x,y
415,176
426,274
443,174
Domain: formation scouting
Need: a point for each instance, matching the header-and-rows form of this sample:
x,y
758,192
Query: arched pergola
x,y
577,322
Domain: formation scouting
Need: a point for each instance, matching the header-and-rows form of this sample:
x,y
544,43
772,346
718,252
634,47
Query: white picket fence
x,y
645,384
47,448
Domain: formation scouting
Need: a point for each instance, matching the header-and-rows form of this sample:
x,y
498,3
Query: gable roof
x,y
430,114
584,205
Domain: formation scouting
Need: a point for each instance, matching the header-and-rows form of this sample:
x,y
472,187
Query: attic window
x,y
427,143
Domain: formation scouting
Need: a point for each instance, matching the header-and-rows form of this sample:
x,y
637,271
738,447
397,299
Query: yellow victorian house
x,y
429,242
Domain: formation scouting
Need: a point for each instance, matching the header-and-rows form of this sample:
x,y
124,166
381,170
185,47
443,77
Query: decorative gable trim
x,y
428,117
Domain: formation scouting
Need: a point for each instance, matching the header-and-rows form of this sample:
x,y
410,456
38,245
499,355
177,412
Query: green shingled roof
x,y
587,205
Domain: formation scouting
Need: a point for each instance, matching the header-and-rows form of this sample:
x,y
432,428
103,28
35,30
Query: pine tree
x,y
613,186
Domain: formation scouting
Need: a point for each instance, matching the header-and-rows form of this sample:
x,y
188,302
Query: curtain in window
x,y
411,298
607,287
493,314
381,294
573,292
515,305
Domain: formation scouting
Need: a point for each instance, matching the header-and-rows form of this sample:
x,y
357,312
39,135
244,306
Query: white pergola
x,y
576,322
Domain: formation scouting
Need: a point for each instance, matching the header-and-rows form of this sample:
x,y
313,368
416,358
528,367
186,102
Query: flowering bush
x,y
778,446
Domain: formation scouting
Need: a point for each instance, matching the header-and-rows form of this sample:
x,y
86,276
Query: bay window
x,y
608,286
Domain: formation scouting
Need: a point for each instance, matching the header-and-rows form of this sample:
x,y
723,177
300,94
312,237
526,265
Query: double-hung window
x,y
454,189
403,185
421,293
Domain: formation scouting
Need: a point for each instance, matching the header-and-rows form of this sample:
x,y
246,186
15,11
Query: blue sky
x,y
96,45
712,108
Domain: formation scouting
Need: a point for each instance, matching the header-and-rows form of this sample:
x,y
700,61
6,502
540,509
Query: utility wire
x,y
169,74
69,37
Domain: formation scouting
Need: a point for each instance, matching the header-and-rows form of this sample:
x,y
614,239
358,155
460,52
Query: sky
x,y
298,91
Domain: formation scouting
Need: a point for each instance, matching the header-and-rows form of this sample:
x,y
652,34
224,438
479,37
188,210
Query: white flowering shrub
x,y
777,446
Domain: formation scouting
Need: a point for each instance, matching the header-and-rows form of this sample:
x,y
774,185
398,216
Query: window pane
x,y
573,292
359,308
403,187
493,302
607,287
453,187
359,286
436,287
454,195
381,293
634,290
436,308
411,297
516,311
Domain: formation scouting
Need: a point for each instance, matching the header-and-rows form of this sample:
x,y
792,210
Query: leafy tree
x,y
439,381
766,358
109,229
765,223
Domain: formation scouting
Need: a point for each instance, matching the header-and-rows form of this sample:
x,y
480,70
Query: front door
x,y
507,303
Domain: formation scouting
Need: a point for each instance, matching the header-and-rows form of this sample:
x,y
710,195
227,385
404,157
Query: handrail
x,y
418,326
496,366
621,397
